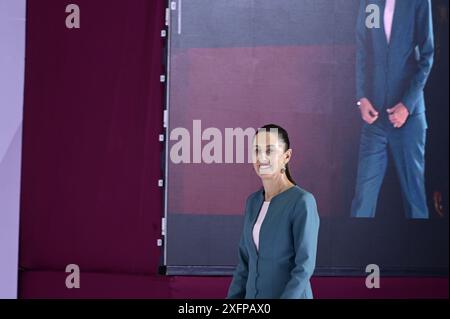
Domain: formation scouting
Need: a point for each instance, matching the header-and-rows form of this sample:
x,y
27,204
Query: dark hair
x,y
283,136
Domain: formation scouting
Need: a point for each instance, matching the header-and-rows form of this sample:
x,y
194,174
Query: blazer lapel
x,y
379,33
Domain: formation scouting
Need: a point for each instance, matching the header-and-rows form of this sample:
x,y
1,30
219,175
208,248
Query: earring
x,y
283,170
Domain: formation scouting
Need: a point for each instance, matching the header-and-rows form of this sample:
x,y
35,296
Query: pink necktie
x,y
388,17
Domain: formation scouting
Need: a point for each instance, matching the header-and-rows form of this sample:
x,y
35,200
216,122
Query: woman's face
x,y
269,156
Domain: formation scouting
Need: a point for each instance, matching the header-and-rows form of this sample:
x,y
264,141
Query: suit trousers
x,y
407,146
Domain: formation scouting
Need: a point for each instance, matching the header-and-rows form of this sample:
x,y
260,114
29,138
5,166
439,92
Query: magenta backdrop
x,y
91,161
91,151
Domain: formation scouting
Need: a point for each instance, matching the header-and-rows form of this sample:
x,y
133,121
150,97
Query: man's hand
x,y
398,115
368,112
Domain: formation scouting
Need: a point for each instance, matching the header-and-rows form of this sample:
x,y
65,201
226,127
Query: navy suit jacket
x,y
287,248
394,72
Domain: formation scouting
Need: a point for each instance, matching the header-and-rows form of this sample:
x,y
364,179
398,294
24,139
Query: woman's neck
x,y
275,186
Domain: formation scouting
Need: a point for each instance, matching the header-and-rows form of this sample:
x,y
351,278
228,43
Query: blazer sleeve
x,y
305,230
239,282
361,52
425,44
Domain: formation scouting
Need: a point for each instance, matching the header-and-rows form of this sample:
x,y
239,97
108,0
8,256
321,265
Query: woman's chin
x,y
265,175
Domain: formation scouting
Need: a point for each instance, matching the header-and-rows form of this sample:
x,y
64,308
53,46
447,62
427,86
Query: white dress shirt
x,y
388,18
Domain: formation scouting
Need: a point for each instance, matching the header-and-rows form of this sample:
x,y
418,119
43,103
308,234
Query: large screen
x,y
236,65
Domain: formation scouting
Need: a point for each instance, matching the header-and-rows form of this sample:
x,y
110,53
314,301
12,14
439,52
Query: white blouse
x,y
259,221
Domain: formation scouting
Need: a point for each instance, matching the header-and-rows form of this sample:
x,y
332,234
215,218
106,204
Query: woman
x,y
277,250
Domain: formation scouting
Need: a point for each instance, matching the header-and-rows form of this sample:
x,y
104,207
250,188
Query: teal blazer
x,y
287,248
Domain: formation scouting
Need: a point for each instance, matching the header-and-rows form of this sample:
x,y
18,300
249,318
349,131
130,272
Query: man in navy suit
x,y
393,62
